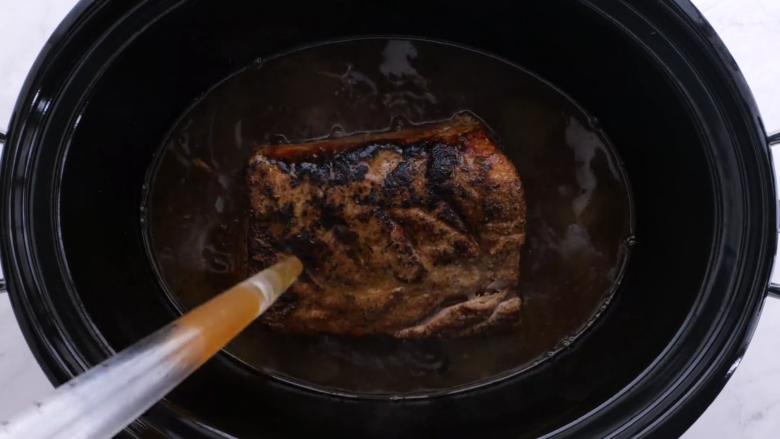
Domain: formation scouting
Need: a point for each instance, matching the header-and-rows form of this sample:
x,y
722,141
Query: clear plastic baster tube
x,y
105,399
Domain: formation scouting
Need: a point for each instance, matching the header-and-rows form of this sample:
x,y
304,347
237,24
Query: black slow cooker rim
x,y
77,35
90,21
726,86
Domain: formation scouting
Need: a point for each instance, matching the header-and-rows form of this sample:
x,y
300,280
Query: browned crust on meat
x,y
391,227
446,132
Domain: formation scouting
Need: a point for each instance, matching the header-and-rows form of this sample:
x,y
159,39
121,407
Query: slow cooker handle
x,y
774,288
2,278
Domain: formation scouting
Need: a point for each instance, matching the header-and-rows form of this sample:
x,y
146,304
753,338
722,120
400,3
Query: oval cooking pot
x,y
117,74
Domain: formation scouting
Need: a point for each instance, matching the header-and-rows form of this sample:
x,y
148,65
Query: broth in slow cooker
x,y
578,229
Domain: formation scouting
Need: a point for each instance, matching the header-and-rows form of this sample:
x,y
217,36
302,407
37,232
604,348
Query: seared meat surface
x,y
413,233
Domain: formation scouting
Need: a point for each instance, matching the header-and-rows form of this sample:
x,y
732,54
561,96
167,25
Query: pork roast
x,y
410,233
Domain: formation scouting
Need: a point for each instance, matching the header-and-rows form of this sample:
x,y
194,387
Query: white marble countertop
x,y
748,407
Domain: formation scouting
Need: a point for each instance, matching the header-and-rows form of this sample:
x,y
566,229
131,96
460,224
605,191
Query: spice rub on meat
x,y
412,233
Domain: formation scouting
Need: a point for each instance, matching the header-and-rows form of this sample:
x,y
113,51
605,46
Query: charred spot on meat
x,y
413,233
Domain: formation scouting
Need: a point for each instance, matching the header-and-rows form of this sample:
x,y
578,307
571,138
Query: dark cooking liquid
x,y
578,225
